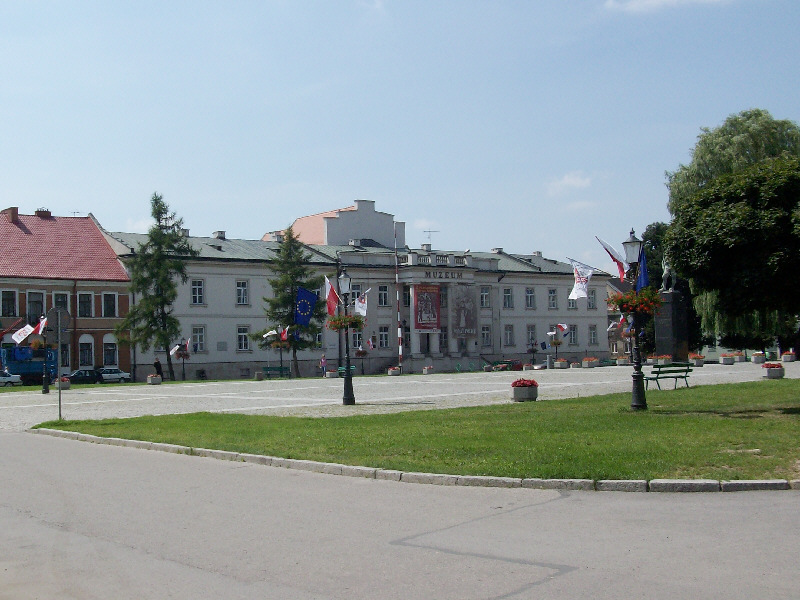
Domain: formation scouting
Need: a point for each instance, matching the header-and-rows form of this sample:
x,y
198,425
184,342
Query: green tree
x,y
154,268
742,140
292,272
738,240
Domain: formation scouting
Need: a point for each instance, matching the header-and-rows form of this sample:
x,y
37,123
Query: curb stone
x,y
604,485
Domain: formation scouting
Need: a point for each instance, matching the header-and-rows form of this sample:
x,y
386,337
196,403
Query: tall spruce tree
x,y
155,268
292,271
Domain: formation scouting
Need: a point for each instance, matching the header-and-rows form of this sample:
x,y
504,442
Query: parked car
x,y
7,378
83,376
109,374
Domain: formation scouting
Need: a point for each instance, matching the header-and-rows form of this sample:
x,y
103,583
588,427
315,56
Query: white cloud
x,y
574,180
640,6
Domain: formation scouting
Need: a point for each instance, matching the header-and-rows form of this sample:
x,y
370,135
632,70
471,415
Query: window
x,y
508,298
486,335
573,335
35,307
383,336
109,354
86,355
9,303
572,304
485,303
443,341
383,295
591,300
242,293
552,299
424,260
65,355
461,261
355,290
441,259
109,305
358,340
198,338
406,296
243,338
85,305
592,335
198,291
443,296
508,335
530,298
531,335
61,300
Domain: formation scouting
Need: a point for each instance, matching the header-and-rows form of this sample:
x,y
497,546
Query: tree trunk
x,y
295,364
170,370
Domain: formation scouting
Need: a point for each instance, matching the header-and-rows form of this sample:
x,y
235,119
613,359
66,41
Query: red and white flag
x,y
331,297
583,273
40,326
285,334
563,327
622,266
19,336
360,307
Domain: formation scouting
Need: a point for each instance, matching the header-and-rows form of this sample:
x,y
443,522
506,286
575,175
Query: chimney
x,y
11,213
185,233
426,247
43,213
537,253
218,235
497,250
355,242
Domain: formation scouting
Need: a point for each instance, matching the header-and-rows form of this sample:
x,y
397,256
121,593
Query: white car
x,y
7,378
108,374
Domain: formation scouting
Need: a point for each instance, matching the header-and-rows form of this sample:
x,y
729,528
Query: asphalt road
x,y
87,521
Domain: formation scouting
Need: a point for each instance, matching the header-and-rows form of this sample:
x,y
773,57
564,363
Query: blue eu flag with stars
x,y
304,306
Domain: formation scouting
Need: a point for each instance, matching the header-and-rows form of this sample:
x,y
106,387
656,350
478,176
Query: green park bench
x,y
343,369
674,371
278,371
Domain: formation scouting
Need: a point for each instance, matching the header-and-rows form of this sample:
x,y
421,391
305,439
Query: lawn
x,y
740,431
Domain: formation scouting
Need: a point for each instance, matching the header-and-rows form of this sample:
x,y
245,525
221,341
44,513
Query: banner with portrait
x,y
465,307
426,307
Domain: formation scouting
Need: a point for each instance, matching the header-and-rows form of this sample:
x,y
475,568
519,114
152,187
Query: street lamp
x,y
633,248
344,288
182,356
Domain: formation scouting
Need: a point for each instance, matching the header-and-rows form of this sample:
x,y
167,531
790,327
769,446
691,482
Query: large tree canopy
x,y
742,140
739,238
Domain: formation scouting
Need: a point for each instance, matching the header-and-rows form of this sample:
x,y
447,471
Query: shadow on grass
x,y
728,414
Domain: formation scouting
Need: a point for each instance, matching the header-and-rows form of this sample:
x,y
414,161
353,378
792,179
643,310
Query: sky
x,y
527,125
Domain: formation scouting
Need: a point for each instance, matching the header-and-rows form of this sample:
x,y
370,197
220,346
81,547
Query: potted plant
x,y
663,359
560,363
589,362
153,379
622,360
738,356
788,356
339,322
698,360
773,370
63,383
727,358
758,358
394,371
644,302
427,370
524,390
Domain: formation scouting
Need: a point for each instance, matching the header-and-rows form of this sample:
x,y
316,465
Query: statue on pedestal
x,y
669,273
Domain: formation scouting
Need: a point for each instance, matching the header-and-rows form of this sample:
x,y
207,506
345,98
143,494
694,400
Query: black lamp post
x,y
182,351
344,288
45,373
633,247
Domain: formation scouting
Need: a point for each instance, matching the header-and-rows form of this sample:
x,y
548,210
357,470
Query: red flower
x,y
524,383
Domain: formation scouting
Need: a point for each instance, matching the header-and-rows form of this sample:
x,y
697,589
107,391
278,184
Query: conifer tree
x,y
155,268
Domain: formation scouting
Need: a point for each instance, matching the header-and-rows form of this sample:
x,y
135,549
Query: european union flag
x,y
304,306
642,281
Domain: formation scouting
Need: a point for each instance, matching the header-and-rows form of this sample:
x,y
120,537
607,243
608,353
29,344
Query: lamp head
x,y
633,247
344,282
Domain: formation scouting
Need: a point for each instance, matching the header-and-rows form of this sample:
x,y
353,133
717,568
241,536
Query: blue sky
x,y
527,125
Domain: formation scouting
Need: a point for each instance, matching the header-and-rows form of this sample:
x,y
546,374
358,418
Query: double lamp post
x,y
633,248
344,289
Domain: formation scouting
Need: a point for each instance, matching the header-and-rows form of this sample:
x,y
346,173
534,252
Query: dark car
x,y
83,376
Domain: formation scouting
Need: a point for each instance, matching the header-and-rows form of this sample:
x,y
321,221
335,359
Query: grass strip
x,y
727,432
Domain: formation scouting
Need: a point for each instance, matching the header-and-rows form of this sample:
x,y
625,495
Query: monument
x,y
671,329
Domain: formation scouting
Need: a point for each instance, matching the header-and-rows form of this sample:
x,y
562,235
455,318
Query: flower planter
x,y
487,368
575,365
663,361
589,364
331,374
788,358
739,358
527,367
697,362
759,359
64,385
427,370
560,364
525,394
727,360
775,373
153,380
394,371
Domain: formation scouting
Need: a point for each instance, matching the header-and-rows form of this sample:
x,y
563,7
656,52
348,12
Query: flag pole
x,y
397,296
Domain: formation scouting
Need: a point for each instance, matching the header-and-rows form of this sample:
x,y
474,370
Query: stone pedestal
x,y
672,332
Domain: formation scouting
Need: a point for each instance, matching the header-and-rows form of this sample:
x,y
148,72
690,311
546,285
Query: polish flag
x,y
622,266
40,326
285,334
331,297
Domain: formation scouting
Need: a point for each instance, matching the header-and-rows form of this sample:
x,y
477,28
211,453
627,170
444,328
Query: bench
x,y
672,371
343,369
279,371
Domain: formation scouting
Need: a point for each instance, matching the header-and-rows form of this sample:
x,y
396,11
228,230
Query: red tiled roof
x,y
56,248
